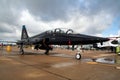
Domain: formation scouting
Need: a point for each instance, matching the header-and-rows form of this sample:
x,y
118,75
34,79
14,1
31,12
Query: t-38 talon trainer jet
x,y
56,37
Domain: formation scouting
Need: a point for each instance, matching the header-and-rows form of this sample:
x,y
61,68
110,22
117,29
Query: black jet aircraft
x,y
56,37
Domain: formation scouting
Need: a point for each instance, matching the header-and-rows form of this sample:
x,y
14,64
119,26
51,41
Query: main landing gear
x,y
21,49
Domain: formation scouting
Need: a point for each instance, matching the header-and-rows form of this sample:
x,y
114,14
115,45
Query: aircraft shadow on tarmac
x,y
39,53
106,60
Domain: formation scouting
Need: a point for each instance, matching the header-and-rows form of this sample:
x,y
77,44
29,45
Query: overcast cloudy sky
x,y
93,17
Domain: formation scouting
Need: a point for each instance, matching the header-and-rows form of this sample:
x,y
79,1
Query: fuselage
x,y
60,38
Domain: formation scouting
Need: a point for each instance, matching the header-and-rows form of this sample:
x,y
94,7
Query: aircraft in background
x,y
108,45
7,42
56,37
113,43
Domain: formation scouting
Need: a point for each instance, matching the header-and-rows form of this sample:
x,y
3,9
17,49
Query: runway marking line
x,y
118,67
91,62
115,66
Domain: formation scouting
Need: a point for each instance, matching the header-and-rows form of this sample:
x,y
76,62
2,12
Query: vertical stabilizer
x,y
24,34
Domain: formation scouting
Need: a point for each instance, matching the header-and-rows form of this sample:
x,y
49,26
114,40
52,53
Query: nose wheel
x,y
78,56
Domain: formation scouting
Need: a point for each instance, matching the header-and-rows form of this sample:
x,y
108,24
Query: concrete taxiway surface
x,y
59,65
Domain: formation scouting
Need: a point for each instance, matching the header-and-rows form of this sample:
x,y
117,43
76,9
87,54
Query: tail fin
x,y
24,34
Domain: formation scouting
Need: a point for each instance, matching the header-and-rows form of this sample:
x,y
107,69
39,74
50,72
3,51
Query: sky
x,y
91,17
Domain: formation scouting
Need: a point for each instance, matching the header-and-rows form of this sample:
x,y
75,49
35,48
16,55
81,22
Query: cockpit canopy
x,y
59,30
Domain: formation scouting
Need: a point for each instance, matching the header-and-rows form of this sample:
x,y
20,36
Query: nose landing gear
x,y
78,56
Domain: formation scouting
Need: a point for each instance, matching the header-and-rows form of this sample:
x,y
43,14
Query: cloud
x,y
50,10
93,7
115,35
84,16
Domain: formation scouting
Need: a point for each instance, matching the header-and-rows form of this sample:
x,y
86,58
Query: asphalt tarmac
x,y
60,64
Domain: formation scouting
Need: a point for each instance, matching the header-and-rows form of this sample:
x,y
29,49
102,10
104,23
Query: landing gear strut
x,y
46,45
47,51
21,49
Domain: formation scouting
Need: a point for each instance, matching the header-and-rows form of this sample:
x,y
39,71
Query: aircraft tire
x,y
78,56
